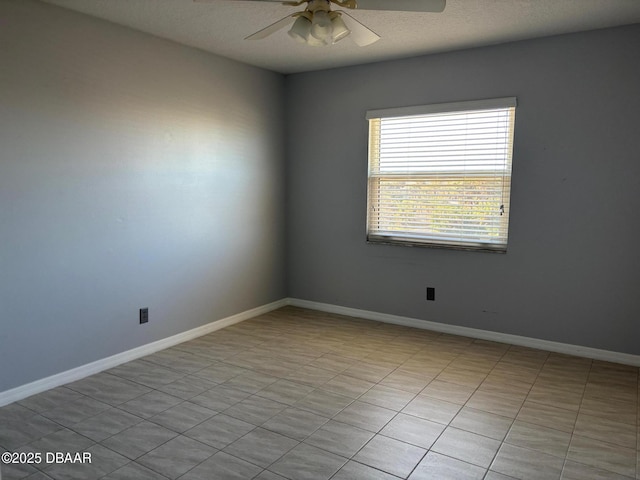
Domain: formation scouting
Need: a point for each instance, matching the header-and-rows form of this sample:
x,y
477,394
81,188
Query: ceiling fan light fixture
x,y
300,30
314,42
340,30
321,26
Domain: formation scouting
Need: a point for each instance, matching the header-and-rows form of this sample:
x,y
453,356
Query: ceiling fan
x,y
319,25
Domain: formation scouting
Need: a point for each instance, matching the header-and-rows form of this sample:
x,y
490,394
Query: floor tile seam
x,y
635,428
184,473
151,389
573,435
141,419
157,389
449,425
400,366
538,425
249,461
333,416
130,462
216,450
508,477
564,456
376,405
502,442
486,469
377,432
157,446
615,445
425,453
297,439
368,466
286,406
547,405
70,427
564,466
40,412
427,450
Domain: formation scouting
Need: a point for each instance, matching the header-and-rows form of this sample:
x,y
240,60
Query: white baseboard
x,y
24,391
566,348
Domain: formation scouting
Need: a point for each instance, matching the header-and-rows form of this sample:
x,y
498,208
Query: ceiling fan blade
x,y
360,34
271,29
435,6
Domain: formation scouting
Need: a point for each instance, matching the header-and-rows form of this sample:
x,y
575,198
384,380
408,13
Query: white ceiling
x,y
220,26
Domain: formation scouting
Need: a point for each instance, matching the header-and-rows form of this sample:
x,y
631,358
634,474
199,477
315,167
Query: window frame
x,y
433,241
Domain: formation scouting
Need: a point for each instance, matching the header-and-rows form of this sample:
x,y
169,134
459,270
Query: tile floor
x,y
296,394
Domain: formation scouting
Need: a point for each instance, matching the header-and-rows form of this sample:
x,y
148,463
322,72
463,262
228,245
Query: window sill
x,y
412,242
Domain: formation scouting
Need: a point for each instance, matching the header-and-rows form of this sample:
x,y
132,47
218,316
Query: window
x,y
440,175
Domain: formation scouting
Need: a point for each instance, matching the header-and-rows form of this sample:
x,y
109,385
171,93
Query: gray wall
x,y
572,272
134,172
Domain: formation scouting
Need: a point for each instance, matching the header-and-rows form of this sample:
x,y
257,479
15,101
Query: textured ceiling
x,y
220,26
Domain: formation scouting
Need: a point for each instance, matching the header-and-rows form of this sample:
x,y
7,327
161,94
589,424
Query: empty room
x,y
326,240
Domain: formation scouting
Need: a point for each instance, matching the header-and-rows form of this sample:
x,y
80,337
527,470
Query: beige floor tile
x,y
501,382
413,430
406,381
422,368
390,455
366,416
377,379
605,456
390,356
466,446
482,423
541,439
525,356
305,462
313,376
579,471
387,397
368,371
613,410
441,467
560,377
606,430
473,363
347,386
284,391
333,363
460,376
525,464
432,409
323,402
556,396
497,476
358,471
506,405
524,372
339,438
547,416
451,392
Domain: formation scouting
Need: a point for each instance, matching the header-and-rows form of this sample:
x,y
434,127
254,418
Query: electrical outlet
x,y
431,293
144,315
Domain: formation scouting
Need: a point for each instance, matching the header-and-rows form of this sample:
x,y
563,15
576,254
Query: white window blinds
x,y
441,174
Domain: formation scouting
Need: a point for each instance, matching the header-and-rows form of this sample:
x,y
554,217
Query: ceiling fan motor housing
x,y
319,6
